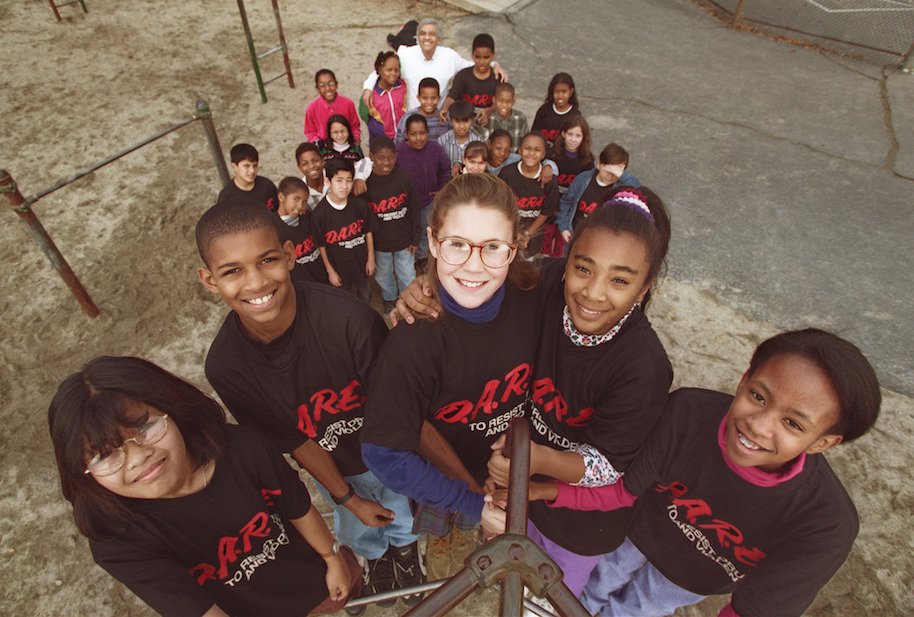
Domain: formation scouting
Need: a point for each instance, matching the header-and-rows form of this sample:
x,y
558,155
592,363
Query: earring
x,y
563,276
637,304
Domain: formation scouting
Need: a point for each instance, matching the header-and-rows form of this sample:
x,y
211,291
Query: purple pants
x,y
576,567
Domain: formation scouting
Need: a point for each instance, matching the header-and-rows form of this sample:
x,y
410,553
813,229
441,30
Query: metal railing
x,y
57,5
256,58
22,206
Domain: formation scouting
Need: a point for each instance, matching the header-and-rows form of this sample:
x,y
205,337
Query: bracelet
x,y
342,500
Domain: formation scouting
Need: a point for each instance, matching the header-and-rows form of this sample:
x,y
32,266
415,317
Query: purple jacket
x,y
429,168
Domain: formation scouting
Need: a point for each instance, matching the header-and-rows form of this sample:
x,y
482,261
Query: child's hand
x,y
523,240
442,116
359,187
546,175
566,236
482,118
335,278
455,170
338,581
369,267
493,519
371,513
500,74
499,466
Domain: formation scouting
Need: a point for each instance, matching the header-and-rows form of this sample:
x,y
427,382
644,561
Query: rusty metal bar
x,y
564,601
250,40
282,43
41,236
205,116
445,597
394,594
518,442
57,5
738,13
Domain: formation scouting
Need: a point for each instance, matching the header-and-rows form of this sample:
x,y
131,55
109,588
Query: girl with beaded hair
x,y
601,376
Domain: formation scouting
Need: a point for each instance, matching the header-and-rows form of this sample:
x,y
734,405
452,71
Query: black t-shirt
x,y
343,232
569,168
467,379
532,201
312,388
308,263
468,87
593,197
264,192
231,544
609,396
396,204
712,532
549,123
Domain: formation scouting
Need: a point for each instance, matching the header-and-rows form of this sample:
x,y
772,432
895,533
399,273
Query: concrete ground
x,y
788,173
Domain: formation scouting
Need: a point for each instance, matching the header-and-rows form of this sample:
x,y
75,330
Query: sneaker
x,y
463,543
407,570
438,557
379,577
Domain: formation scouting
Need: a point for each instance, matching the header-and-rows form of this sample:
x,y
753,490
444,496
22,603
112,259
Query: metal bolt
x,y
546,571
483,562
516,552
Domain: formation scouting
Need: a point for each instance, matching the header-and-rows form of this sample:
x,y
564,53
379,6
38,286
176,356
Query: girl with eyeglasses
x,y
466,373
195,516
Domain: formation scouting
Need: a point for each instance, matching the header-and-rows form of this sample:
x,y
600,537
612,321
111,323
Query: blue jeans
x,y
372,542
626,583
422,253
393,270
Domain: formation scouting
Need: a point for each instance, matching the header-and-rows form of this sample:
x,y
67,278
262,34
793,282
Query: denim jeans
x,y
422,253
393,272
372,542
626,583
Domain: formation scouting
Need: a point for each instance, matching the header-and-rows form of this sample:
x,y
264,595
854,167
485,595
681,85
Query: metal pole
x,y
512,588
206,116
738,13
20,207
282,43
446,597
54,8
250,39
564,601
82,3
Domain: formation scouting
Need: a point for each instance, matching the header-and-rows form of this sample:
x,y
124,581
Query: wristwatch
x,y
334,550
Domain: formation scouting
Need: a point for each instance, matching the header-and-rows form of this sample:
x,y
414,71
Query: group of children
x,y
539,262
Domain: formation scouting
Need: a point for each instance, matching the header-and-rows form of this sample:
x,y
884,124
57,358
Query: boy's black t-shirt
x,y
314,386
549,123
593,197
343,232
264,192
532,201
609,396
396,204
231,544
468,87
710,531
569,168
468,380
308,263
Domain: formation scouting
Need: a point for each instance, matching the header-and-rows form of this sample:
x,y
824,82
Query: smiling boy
x,y
245,183
476,84
429,97
293,361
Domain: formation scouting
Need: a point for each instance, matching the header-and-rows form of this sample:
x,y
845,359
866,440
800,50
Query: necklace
x,y
592,340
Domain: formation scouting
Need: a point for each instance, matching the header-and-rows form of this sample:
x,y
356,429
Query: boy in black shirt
x,y
293,361
296,216
245,163
395,201
476,84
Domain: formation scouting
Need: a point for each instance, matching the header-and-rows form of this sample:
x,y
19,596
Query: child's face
x,y
462,128
499,149
504,103
416,136
341,186
472,283
246,170
606,273
482,59
293,203
428,100
311,165
157,470
250,270
390,71
532,151
787,407
326,87
339,133
475,164
573,138
609,173
561,94
383,161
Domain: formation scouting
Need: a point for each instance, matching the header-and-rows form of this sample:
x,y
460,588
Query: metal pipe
x,y
564,601
269,52
85,172
519,478
282,43
206,117
446,597
54,8
532,607
511,603
396,593
738,13
41,236
250,39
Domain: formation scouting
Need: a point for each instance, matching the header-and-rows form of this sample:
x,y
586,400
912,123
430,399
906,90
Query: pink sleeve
x,y
355,122
609,497
312,131
727,611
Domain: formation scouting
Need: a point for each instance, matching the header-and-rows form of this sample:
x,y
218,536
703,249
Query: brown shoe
x,y
438,557
463,543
